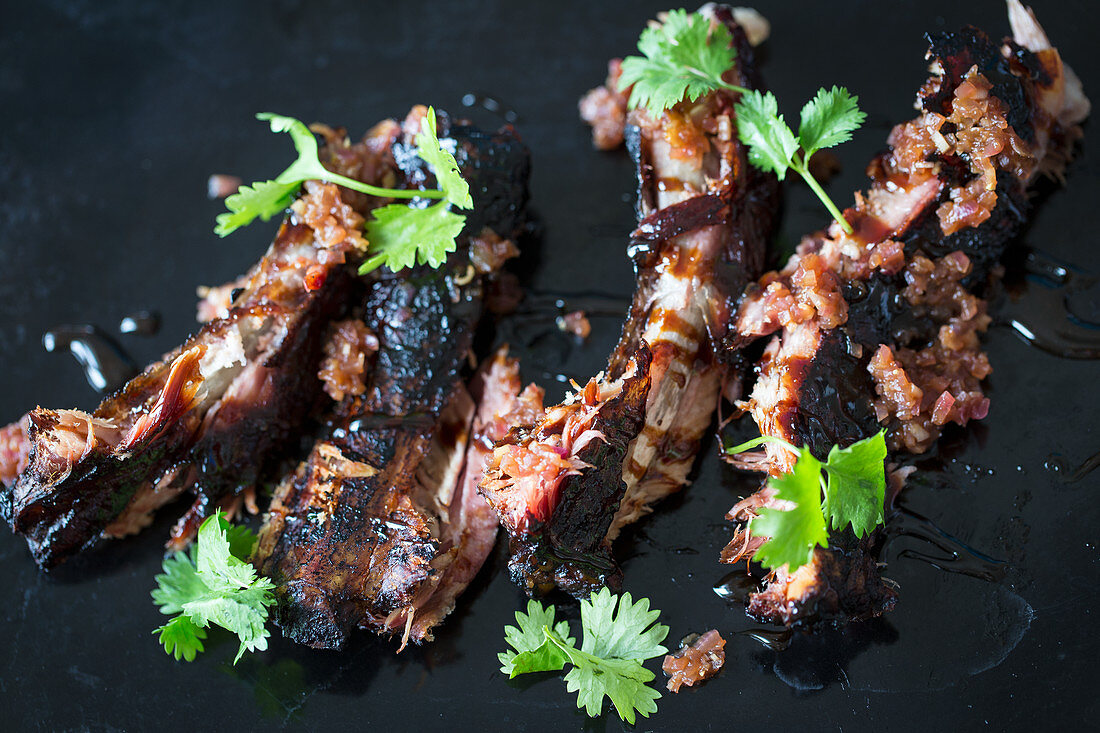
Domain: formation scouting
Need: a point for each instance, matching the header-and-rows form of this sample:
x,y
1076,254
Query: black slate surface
x,y
113,115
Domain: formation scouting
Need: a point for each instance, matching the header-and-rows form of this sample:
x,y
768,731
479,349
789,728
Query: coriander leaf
x,y
242,540
625,681
629,633
793,534
179,583
828,119
181,638
455,188
857,485
216,566
759,126
400,236
263,199
308,164
244,613
212,585
618,635
533,651
545,658
683,57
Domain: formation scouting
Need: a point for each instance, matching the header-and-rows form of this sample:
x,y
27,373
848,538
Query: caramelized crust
x,y
880,328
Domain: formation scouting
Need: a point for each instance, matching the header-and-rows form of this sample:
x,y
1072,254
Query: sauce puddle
x,y
960,558
535,330
1059,311
105,364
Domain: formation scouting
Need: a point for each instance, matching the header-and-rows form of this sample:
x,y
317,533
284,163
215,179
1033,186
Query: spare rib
x,y
565,486
881,328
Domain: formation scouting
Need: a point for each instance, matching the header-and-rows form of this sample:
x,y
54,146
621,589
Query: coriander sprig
x,y
213,584
854,494
619,635
684,56
826,120
265,199
399,235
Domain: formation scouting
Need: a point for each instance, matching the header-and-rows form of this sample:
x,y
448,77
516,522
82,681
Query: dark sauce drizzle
x,y
142,323
1059,312
777,640
736,587
535,336
1084,469
959,558
106,366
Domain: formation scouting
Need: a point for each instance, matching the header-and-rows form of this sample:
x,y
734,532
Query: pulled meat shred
x,y
14,448
523,479
604,108
344,364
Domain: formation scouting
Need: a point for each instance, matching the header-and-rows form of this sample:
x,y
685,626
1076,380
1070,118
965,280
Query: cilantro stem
x,y
803,169
385,193
558,642
750,444
733,87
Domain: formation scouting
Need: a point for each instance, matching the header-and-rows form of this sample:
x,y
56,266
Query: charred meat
x,y
565,486
207,418
881,328
381,527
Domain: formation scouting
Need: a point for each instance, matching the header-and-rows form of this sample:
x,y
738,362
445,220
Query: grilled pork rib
x,y
565,486
209,415
880,328
381,527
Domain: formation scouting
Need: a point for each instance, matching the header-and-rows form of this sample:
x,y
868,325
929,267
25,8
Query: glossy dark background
x,y
111,118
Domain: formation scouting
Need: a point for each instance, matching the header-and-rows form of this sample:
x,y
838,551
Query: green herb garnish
x,y
827,120
213,584
854,491
618,636
399,235
684,56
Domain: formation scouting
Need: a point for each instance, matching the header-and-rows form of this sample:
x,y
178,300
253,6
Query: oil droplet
x,y
490,104
736,587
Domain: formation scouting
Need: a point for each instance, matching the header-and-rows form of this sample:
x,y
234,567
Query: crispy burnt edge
x,y
379,438
149,441
570,549
843,583
742,205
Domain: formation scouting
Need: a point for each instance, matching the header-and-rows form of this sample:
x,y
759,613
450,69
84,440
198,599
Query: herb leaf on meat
x,y
853,495
683,57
